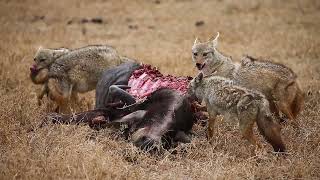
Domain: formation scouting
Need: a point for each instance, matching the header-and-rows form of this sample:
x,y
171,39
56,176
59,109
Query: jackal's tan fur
x,y
239,104
65,72
277,82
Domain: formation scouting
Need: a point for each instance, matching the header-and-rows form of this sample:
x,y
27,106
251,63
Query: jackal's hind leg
x,y
246,128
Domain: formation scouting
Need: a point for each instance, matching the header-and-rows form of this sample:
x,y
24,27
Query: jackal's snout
x,y
34,69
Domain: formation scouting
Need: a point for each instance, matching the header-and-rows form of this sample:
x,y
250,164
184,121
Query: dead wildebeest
x,y
154,107
162,120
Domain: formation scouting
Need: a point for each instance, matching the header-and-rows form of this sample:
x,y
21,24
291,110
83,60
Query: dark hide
x,y
166,117
118,75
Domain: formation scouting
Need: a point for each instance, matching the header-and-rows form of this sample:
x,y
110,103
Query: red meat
x,y
147,79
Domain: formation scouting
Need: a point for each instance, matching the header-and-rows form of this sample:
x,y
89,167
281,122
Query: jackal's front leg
x,y
44,90
59,92
212,119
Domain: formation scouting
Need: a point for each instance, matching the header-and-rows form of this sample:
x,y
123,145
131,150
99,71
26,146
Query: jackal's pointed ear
x,y
40,48
215,40
196,41
199,77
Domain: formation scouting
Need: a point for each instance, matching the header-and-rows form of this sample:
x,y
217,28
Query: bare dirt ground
x,y
160,33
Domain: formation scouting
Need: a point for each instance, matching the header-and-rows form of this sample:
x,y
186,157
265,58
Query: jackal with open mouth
x,y
276,81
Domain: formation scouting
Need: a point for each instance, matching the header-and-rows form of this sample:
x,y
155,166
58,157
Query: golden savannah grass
x,y
160,33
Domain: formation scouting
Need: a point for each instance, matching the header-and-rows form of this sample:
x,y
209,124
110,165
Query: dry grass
x,y
285,31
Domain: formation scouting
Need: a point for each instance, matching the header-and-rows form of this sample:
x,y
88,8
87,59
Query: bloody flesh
x,y
148,79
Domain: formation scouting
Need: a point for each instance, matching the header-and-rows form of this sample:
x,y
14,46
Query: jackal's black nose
x,y
199,65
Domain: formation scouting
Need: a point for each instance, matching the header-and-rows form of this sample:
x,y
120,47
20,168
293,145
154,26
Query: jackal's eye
x,y
41,60
205,54
195,54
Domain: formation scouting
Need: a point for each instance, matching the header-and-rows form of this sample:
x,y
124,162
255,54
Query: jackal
x,y
237,103
65,72
39,71
277,82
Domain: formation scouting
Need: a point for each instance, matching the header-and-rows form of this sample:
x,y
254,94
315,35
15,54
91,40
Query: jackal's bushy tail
x,y
269,128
